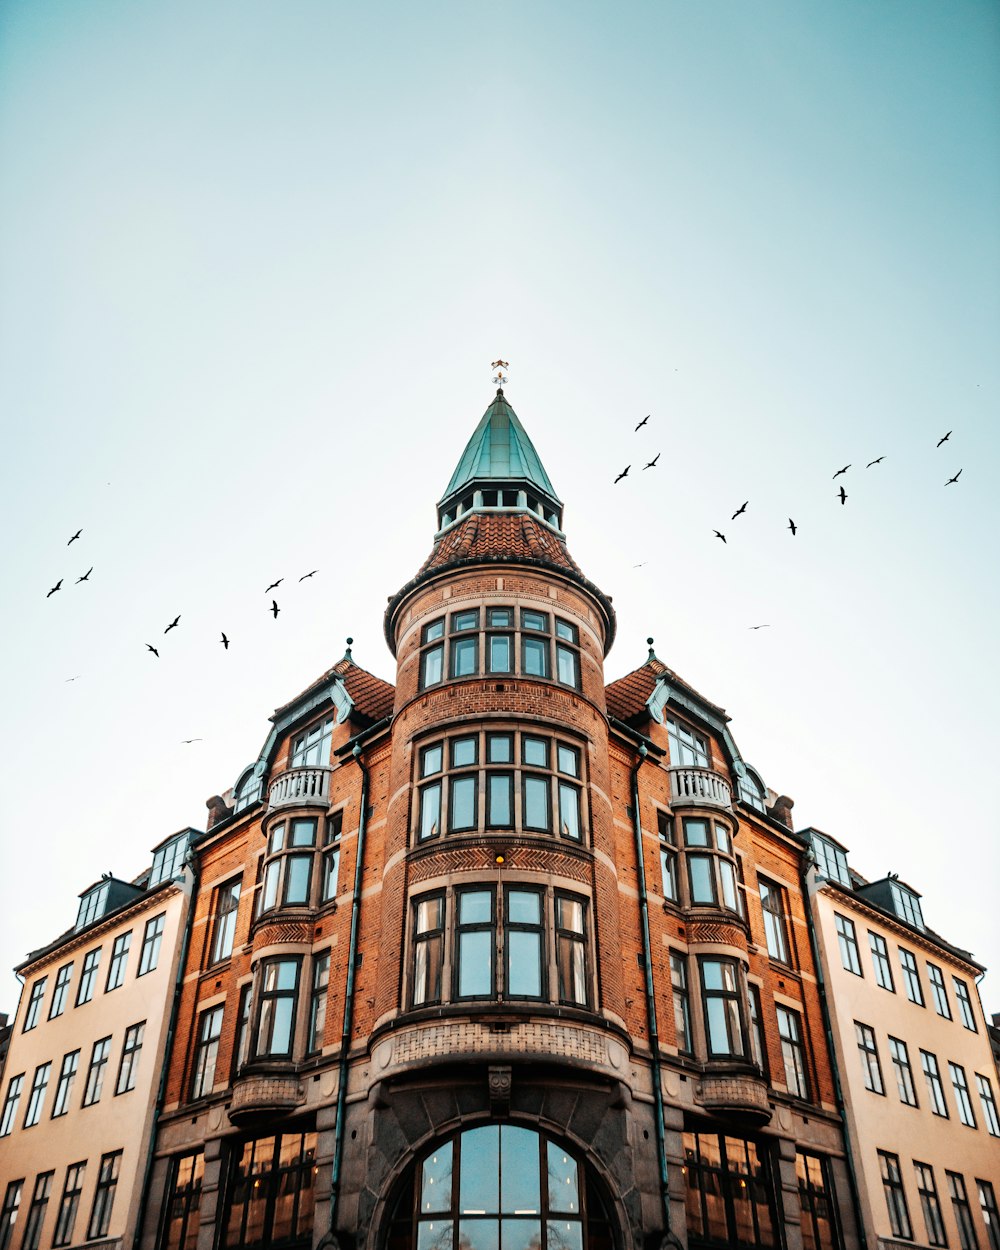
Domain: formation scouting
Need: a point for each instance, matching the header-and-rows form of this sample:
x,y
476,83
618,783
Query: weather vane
x,y
501,367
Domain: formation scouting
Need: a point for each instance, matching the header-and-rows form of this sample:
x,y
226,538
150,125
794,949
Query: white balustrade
x,y
300,787
701,787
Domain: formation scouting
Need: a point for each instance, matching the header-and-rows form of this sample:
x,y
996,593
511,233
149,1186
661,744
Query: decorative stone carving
x,y
500,1081
740,1094
265,1094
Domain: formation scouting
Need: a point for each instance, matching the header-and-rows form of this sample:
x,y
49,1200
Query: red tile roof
x,y
372,696
627,695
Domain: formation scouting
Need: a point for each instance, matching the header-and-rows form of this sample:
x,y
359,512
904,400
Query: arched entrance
x,y
499,1187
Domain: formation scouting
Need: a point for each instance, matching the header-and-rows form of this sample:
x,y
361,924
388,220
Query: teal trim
x,y
500,450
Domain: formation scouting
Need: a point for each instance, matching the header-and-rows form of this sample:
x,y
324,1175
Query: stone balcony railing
x,y
300,787
691,786
266,1094
736,1094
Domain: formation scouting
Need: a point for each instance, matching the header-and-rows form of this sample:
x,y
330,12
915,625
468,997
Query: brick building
x,y
501,956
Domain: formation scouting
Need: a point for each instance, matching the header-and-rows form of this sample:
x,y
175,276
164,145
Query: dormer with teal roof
x,y
500,471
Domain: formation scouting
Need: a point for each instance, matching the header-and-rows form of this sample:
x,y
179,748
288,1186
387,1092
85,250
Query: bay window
x,y
496,640
279,984
723,995
291,875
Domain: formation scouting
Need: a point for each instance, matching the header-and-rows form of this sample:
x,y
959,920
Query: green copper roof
x,y
498,450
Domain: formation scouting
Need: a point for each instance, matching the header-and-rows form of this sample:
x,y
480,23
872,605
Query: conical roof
x,y
500,450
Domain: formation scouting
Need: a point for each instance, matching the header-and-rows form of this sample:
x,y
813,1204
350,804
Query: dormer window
x,y
248,790
168,860
686,746
93,905
906,905
312,748
751,792
831,859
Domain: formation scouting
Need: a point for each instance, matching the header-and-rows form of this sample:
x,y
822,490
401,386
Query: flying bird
x,y
173,625
760,626
640,566
792,526
739,511
839,471
312,574
186,741
274,584
274,609
718,535
939,442
641,423
652,463
153,649
225,641
624,473
954,479
76,678
843,495
55,588
79,532
871,462
85,577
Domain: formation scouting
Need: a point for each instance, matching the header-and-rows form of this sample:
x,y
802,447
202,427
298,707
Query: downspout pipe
x,y
168,1049
647,960
345,1038
808,860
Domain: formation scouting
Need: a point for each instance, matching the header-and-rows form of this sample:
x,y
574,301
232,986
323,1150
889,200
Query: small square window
x,y
568,760
696,833
535,752
509,498
565,630
463,621
434,630
538,621
499,748
490,498
303,833
499,618
431,759
464,751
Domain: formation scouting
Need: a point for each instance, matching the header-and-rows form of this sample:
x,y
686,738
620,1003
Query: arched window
x,y
499,1187
247,790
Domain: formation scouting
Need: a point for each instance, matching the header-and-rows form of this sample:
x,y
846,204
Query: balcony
x,y
741,1095
256,1097
300,787
691,786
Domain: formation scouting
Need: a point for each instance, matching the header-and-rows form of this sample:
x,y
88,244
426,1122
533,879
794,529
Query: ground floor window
x,y
817,1201
729,1191
270,1198
182,1209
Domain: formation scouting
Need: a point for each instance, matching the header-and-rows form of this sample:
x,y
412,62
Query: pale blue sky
x,y
255,260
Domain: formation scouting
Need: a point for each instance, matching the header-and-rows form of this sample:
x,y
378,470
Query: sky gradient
x,y
254,263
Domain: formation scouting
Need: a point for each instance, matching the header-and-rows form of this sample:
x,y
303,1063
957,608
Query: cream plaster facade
x,y
885,1122
115,1121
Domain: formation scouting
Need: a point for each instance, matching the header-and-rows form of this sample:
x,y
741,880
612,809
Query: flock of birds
x,y
842,494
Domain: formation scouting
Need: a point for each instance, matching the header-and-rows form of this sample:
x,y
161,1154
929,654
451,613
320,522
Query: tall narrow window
x,y
104,1196
60,991
432,656
930,1204
431,764
772,899
317,1002
206,1052
991,1217
964,1000
817,1202
523,947
911,977
880,961
935,1089
36,1212
960,1085
64,1088
847,939
723,1018
989,1105
70,1201
967,1239
758,1046
793,1052
227,901
8,1213
183,1203
534,649
464,650
331,856
475,944
567,654
95,1073
571,950
668,856
428,950
34,1009
129,1064
682,1002
36,1099
151,938
88,977
279,983
14,1087
871,1069
895,1195
118,961
938,991
904,1073
241,1044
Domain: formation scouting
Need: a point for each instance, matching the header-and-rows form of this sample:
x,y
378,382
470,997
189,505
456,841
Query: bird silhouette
x,y
641,423
718,535
640,566
75,537
843,495
939,442
871,462
274,609
225,641
273,585
56,587
153,649
173,625
312,574
839,471
792,526
76,678
954,479
760,626
85,577
652,463
186,741
624,473
739,511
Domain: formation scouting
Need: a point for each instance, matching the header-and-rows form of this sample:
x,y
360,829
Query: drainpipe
x,y
168,1049
654,1038
809,859
345,1039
